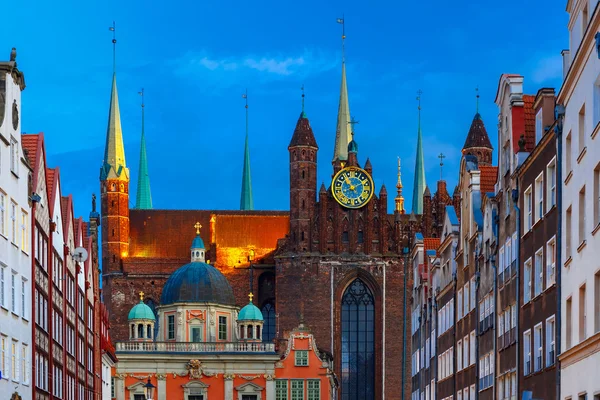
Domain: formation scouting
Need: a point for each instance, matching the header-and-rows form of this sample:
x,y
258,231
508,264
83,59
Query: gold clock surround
x,y
344,176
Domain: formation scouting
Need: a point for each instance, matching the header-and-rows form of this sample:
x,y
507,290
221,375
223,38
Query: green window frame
x,y
297,389
301,358
281,389
313,389
222,327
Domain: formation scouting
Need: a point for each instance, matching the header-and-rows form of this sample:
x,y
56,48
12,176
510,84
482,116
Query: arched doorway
x,y
358,342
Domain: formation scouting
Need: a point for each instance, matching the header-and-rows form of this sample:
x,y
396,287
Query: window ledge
x,y
4,307
14,174
14,244
596,229
569,176
550,207
15,314
3,236
581,155
595,131
568,262
581,246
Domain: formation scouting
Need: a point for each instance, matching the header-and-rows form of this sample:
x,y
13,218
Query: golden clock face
x,y
352,187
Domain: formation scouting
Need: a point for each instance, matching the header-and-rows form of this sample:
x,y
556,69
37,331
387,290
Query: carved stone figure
x,y
13,54
15,115
194,368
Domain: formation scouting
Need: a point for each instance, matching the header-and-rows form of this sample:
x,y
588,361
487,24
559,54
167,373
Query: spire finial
x,y
352,122
197,226
114,42
441,157
342,21
142,296
399,200
302,88
250,296
419,93
477,97
399,184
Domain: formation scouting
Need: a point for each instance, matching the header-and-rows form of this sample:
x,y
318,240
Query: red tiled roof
x,y
529,114
489,175
50,188
431,243
30,143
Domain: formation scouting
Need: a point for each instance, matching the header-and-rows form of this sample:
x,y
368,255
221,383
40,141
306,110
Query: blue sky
x,y
195,59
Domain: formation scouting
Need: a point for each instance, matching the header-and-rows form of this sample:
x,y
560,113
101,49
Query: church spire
x,y
399,200
343,132
114,151
143,199
419,183
246,201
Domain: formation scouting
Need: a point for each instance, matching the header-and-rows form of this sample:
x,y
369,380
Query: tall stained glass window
x,y
358,345
268,312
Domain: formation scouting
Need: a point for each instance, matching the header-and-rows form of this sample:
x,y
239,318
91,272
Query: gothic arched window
x,y
358,344
268,312
152,304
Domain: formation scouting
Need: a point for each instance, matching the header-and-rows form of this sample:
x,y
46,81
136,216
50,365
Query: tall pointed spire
x,y
246,201
399,200
343,132
419,183
143,199
114,165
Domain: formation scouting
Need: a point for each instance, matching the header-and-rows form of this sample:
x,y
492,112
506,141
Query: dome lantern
x,y
141,321
197,249
250,322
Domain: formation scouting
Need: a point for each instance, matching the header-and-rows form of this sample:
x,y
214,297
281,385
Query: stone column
x,y
161,393
229,387
135,331
119,388
270,388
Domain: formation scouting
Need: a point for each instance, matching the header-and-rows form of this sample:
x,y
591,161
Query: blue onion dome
x,y
250,312
141,311
352,146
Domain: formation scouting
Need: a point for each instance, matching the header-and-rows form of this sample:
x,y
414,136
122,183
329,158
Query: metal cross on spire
x,y
114,42
441,157
477,97
352,122
342,21
302,88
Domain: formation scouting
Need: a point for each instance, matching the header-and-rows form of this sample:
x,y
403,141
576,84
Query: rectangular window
x,y
551,187
13,361
2,298
466,351
569,322
539,197
313,389
24,236
281,389
550,332
222,328
538,127
581,129
3,355
2,214
473,287
13,223
568,154
569,226
537,287
472,390
297,389
13,293
527,282
550,262
472,348
537,347
301,359
14,156
459,356
466,299
528,209
527,352
582,314
597,302
171,327
581,215
460,304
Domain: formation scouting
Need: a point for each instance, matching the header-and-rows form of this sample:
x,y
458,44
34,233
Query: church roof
x,y
303,134
477,136
197,282
343,132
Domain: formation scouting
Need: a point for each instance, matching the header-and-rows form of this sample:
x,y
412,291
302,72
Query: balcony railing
x,y
202,347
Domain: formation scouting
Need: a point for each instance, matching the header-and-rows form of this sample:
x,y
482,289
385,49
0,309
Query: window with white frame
x,y
551,186
527,352
527,282
466,351
528,209
459,355
2,283
473,300
466,299
539,260
514,250
596,197
538,127
24,308
500,325
472,391
2,213
568,153
581,129
24,234
472,347
501,260
14,156
551,262
537,347
13,222
550,332
13,293
460,304
539,197
581,215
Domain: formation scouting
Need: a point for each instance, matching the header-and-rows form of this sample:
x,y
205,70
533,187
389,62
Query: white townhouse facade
x,y
15,241
580,233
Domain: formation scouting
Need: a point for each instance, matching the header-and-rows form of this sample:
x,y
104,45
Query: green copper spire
x,y
343,132
419,183
143,199
113,165
246,202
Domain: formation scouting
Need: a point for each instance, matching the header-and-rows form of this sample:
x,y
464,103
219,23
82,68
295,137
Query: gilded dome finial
x,y
142,296
197,226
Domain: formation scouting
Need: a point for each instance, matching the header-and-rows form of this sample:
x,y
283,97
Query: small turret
x,y
250,323
198,250
141,321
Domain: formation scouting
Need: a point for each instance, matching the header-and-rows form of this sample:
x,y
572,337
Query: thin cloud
x,y
547,69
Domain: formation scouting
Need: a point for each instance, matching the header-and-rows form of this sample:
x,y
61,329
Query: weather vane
x,y
352,122
114,42
441,157
341,21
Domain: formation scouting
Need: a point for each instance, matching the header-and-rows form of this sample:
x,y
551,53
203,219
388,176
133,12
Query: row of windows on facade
x,y
507,390
14,360
429,393
584,227
533,285
58,379
297,389
540,359
581,130
14,292
582,310
535,207
14,222
196,331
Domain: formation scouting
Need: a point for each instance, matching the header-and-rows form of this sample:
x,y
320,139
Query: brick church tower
x,y
114,192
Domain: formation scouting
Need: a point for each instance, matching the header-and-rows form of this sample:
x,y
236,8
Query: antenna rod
x,y
114,41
